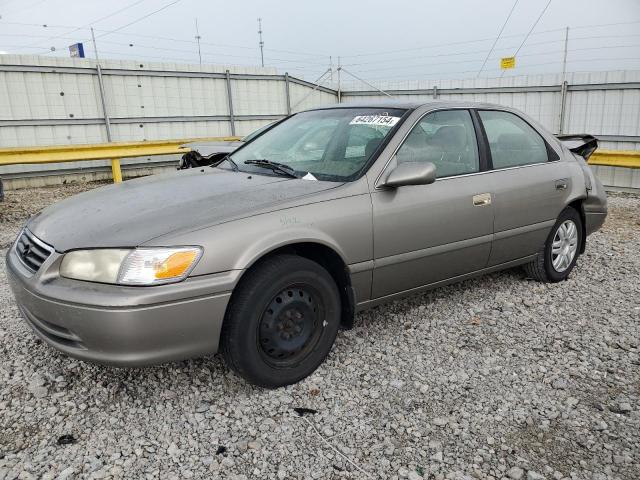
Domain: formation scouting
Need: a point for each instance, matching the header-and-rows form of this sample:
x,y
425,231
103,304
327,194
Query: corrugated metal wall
x,y
47,101
53,101
602,103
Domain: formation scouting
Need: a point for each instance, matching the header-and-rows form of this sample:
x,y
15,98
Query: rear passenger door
x,y
529,184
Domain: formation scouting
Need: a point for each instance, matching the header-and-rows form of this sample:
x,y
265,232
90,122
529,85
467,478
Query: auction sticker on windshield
x,y
381,120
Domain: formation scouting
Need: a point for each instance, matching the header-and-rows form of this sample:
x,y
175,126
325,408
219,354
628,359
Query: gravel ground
x,y
497,377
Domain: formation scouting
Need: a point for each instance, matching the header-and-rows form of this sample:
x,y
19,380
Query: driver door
x,y
424,234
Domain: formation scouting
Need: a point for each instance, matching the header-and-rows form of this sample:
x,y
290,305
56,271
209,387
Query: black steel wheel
x,y
288,329
281,322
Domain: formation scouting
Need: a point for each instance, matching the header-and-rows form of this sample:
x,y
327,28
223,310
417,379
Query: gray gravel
x,y
497,377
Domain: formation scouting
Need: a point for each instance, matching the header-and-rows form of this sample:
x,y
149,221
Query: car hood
x,y
136,211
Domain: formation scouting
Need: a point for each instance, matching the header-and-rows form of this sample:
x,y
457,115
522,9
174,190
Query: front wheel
x,y
281,322
555,262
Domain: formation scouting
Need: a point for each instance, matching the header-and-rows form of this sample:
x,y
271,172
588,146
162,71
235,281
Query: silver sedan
x,y
265,254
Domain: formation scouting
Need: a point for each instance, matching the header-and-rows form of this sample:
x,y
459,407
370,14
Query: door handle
x,y
482,199
561,184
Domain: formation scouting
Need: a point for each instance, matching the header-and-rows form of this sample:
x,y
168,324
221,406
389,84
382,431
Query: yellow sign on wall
x,y
507,62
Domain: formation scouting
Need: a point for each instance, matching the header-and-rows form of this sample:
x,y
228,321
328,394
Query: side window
x,y
513,141
445,138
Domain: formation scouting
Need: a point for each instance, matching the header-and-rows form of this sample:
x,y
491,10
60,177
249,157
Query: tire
x,y
281,322
567,236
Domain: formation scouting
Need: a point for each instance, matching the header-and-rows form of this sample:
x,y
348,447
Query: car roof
x,y
390,103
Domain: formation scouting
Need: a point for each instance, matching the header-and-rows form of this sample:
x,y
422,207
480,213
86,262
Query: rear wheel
x,y
281,322
560,253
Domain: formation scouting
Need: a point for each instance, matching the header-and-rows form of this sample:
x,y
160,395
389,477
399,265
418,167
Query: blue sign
x,y
76,50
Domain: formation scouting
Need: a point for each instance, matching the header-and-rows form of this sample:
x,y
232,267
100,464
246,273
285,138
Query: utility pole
x,y
261,42
116,171
339,86
198,37
107,122
564,59
563,87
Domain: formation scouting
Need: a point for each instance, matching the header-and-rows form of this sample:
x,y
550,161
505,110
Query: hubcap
x,y
289,324
565,246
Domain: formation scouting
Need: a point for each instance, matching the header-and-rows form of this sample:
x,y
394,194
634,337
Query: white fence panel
x,y
46,101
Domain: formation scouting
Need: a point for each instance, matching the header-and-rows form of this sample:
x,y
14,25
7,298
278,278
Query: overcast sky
x,y
375,39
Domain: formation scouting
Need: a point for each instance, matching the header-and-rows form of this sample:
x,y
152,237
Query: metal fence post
x,y
107,120
115,163
563,105
116,172
288,93
232,119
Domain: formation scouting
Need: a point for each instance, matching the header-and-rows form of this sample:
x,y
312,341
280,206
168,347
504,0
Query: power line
x,y
309,54
532,27
556,62
309,62
413,65
139,19
97,20
222,45
529,33
498,37
467,52
293,52
465,42
153,47
536,54
476,40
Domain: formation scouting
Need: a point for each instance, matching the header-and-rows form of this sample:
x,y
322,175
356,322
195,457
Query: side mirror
x,y
411,173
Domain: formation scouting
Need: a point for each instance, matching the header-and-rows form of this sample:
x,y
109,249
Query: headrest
x,y
513,141
371,146
450,136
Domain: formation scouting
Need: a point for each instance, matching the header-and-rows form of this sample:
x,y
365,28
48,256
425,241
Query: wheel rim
x,y
564,246
290,325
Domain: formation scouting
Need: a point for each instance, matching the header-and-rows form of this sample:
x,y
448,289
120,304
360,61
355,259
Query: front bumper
x,y
123,326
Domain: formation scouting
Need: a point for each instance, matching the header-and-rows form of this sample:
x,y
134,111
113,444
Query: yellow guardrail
x,y
102,151
117,150
616,158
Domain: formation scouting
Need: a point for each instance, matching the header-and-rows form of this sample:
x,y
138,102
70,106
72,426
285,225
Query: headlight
x,y
141,266
93,265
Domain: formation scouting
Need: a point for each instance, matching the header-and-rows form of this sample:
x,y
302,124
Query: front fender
x,y
278,239
343,224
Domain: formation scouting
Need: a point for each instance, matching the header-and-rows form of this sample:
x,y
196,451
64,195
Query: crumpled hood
x,y
133,212
209,148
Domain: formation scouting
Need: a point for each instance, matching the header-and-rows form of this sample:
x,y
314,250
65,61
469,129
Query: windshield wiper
x,y
274,167
227,157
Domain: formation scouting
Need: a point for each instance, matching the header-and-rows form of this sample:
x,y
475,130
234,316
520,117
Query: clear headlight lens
x,y
93,265
141,266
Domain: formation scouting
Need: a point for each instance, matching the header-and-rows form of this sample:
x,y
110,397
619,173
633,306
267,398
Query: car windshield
x,y
333,144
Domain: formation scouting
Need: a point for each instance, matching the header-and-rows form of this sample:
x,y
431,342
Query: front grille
x,y
31,251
